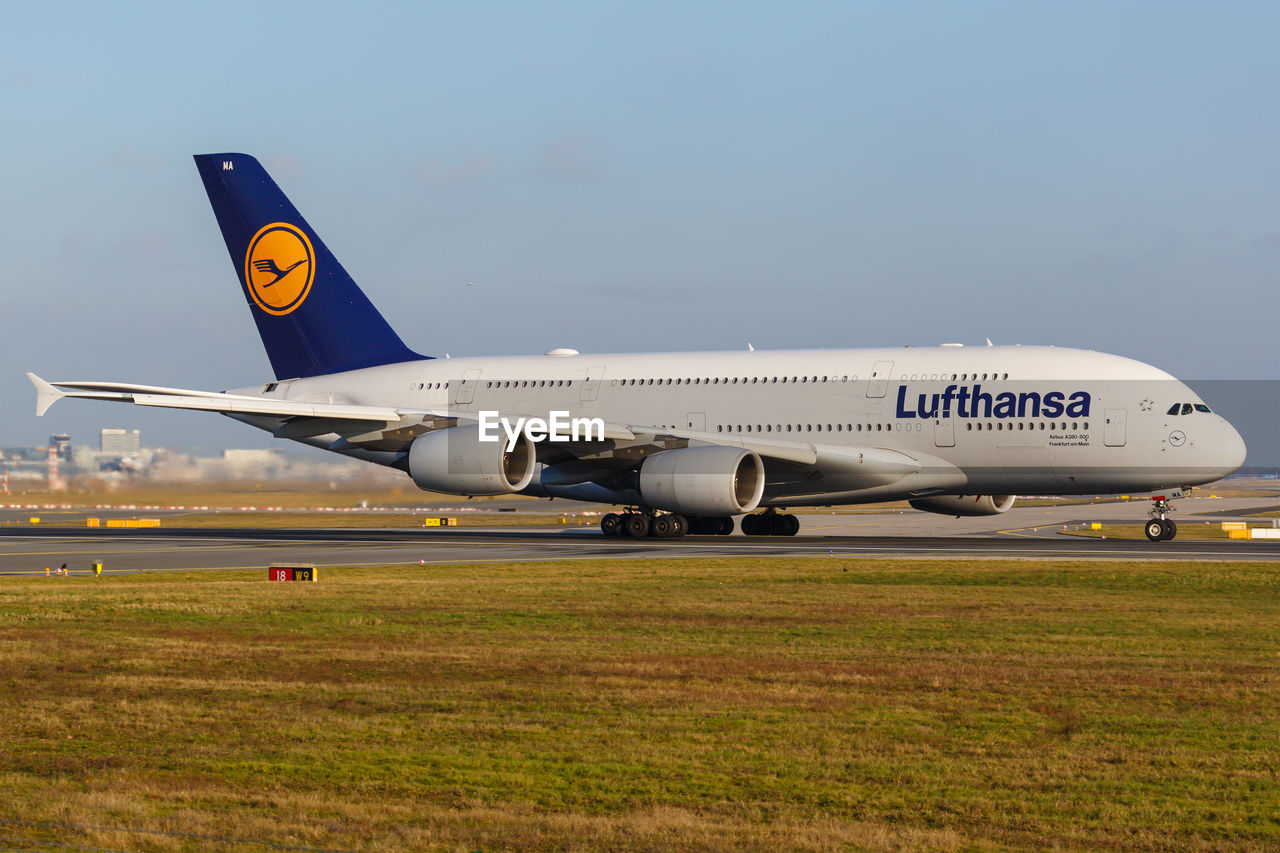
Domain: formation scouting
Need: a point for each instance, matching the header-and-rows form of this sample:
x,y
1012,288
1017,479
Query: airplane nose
x,y
1230,450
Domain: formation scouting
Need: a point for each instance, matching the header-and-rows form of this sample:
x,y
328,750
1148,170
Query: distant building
x,y
62,444
120,442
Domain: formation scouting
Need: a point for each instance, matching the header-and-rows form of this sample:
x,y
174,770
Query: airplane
x,y
685,441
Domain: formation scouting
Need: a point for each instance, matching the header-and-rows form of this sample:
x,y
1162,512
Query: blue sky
x,y
622,177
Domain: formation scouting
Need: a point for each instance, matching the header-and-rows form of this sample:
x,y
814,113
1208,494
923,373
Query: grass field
x,y
652,705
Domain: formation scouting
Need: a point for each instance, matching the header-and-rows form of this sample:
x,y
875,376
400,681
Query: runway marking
x,y
1017,531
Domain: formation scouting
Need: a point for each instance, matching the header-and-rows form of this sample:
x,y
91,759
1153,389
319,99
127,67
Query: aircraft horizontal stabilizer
x,y
46,394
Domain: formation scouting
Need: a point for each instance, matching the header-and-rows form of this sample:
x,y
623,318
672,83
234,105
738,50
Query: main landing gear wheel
x,y
642,523
682,525
784,525
770,524
635,525
611,524
669,526
703,526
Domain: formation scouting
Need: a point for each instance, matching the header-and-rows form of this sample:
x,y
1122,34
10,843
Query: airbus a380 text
x,y
686,441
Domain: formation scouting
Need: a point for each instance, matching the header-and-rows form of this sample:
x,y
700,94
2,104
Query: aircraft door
x,y
591,388
944,432
1113,431
879,378
467,387
696,421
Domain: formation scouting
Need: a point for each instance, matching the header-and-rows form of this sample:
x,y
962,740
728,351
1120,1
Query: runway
x,y
27,552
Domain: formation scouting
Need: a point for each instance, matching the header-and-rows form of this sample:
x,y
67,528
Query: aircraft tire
x,y
635,525
1156,529
611,524
725,527
682,526
1170,530
663,527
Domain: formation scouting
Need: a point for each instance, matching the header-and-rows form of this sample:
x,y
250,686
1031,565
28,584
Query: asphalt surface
x,y
30,551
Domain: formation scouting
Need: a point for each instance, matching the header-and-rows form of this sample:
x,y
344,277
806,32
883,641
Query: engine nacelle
x,y
959,505
712,481
455,461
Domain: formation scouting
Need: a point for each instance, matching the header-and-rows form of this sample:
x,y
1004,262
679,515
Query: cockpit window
x,y
1186,408
1173,410
1201,407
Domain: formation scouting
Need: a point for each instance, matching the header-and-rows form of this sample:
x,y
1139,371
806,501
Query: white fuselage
x,y
977,420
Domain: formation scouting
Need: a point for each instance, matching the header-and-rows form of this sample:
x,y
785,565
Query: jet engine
x,y
455,461
704,481
959,505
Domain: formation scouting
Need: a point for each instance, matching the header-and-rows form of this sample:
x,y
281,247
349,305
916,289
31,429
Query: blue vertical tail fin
x,y
312,316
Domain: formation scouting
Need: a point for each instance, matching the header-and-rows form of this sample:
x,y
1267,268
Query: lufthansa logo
x,y
1177,438
279,267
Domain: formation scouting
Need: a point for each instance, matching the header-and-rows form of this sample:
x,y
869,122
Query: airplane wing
x,y
48,393
795,466
387,427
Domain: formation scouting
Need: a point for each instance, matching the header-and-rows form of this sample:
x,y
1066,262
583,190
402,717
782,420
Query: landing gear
x,y
770,523
700,526
611,524
1160,528
637,524
669,526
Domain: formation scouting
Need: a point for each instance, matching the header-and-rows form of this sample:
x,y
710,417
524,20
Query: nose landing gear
x,y
1160,528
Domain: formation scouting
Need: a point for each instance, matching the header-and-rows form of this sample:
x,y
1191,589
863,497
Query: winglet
x,y
46,394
